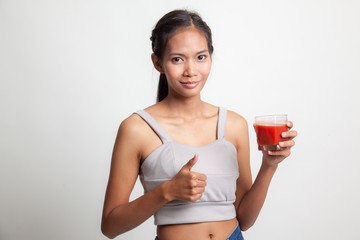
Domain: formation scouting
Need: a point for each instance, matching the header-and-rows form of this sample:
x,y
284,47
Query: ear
x,y
157,63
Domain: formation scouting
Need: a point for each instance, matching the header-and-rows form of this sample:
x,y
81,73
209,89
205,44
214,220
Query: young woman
x,y
192,157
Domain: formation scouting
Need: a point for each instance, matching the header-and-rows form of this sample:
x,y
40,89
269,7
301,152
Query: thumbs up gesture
x,y
187,185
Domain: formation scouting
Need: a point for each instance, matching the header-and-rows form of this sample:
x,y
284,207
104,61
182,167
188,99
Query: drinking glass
x,y
268,130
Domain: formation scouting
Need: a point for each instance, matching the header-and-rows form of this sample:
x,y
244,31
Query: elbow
x,y
245,226
245,221
107,234
106,231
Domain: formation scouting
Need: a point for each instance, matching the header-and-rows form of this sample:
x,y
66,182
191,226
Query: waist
x,y
198,231
195,212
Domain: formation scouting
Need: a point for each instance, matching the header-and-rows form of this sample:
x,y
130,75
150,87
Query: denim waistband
x,y
235,235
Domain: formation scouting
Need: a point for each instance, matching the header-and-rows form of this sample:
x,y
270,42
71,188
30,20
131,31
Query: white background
x,y
72,70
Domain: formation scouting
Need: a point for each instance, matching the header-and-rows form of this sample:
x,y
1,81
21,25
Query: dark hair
x,y
165,28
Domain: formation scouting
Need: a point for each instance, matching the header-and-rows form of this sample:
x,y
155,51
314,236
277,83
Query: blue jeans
x,y
235,235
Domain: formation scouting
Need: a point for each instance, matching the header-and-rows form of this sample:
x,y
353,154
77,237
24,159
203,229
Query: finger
x,y
289,134
289,124
191,163
199,176
195,183
196,187
196,190
195,197
199,184
286,152
287,144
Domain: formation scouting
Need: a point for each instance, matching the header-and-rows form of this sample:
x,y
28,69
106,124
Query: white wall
x,y
71,71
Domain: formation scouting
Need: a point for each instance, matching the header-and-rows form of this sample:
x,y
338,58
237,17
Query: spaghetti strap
x,y
154,125
221,123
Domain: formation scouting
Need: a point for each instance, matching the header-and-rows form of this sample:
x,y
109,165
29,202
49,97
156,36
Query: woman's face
x,y
186,62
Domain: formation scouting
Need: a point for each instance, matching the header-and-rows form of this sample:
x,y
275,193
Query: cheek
x,y
205,69
173,71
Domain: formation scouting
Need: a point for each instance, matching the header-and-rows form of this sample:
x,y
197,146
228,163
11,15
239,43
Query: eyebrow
x,y
181,54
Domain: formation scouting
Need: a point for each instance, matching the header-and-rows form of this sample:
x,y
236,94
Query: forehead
x,y
187,40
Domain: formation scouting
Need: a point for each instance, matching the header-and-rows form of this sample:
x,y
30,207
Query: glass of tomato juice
x,y
268,130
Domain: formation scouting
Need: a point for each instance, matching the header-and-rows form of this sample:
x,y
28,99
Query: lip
x,y
190,85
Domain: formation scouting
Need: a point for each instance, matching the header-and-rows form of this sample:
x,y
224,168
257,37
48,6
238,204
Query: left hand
x,y
273,158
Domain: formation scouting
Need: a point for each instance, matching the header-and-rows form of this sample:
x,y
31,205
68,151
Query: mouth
x,y
190,84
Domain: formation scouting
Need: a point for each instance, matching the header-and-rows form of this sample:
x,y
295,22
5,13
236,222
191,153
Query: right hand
x,y
188,185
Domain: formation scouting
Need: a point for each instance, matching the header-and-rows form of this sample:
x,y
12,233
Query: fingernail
x,y
283,134
281,144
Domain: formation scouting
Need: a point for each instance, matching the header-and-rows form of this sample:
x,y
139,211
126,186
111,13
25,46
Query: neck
x,y
185,107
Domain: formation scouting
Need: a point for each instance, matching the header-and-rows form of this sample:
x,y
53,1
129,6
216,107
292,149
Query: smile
x,y
190,84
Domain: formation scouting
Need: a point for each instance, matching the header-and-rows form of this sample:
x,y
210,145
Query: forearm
x,y
130,215
252,202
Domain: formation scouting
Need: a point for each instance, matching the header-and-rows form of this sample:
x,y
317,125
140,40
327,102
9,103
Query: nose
x,y
190,69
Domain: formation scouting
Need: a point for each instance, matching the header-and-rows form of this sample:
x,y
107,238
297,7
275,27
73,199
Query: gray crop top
x,y
217,160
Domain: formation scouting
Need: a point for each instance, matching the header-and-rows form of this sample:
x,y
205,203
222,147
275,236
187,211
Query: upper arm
x,y
238,134
125,164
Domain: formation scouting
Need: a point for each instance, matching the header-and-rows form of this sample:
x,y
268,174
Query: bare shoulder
x,y
235,121
132,123
135,136
237,130
132,129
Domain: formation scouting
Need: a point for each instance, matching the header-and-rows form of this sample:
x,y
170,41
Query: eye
x,y
201,57
176,59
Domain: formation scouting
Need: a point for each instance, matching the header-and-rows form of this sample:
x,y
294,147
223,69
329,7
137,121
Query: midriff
x,y
197,231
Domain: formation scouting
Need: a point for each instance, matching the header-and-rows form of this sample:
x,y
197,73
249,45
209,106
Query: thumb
x,y
191,163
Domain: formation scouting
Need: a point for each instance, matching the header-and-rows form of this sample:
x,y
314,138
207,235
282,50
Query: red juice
x,y
269,134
